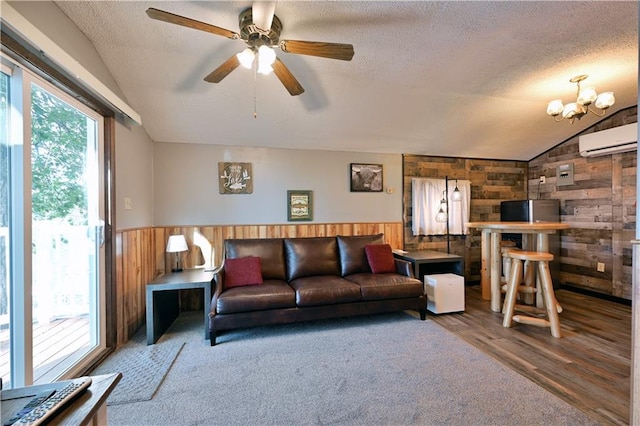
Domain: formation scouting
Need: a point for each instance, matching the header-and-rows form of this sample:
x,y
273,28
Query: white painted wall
x,y
186,186
134,177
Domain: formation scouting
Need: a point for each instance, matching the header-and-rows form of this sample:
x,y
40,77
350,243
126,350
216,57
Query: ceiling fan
x,y
260,29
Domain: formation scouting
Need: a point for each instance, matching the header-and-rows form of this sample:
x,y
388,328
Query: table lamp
x,y
177,244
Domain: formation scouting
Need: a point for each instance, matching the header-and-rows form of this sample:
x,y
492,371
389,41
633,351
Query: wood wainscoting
x,y
140,257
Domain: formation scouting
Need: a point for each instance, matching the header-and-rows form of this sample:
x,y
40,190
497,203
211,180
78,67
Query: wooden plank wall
x,y
140,257
600,207
135,266
492,181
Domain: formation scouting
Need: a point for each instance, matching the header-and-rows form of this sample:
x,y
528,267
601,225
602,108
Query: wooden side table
x,y
89,408
163,303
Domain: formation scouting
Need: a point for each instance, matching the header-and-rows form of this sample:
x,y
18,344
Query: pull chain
x,y
255,90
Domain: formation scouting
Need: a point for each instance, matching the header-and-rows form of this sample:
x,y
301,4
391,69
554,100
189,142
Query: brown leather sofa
x,y
310,278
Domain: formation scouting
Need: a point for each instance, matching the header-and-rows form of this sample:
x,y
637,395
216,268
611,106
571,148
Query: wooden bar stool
x,y
505,246
546,287
526,288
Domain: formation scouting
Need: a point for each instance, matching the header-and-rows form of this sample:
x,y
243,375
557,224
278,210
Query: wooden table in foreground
x,y
491,257
163,304
89,408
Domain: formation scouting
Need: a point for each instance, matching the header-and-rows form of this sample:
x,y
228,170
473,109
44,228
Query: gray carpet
x,y
143,368
390,369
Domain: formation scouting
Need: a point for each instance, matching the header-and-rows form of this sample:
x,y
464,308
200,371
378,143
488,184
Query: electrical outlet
x,y
543,179
600,267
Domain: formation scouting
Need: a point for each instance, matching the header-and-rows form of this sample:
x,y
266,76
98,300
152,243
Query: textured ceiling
x,y
465,79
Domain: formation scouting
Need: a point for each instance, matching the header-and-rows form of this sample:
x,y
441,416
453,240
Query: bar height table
x,y
490,245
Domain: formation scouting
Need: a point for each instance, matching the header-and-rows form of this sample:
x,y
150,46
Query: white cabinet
x,y
445,293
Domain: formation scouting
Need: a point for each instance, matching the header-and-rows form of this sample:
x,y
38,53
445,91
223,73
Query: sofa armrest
x,y
218,285
404,267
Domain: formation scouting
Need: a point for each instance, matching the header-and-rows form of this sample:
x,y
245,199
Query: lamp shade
x,y
176,243
266,58
570,110
555,107
246,58
587,95
605,100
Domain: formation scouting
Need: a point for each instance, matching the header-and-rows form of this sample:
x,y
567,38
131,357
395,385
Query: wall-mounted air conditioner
x,y
610,141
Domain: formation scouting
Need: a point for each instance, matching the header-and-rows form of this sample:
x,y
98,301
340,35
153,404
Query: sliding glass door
x,y
56,290
5,194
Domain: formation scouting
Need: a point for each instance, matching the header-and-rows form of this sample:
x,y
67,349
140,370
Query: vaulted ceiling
x,y
469,79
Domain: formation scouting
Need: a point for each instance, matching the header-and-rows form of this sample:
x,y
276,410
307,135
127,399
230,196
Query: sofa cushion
x,y
270,250
353,259
311,256
386,286
324,290
242,271
380,258
272,294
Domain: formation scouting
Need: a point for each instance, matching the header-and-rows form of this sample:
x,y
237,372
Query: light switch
x,y
127,203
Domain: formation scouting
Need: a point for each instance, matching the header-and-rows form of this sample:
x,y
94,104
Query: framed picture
x,y
299,205
235,178
366,177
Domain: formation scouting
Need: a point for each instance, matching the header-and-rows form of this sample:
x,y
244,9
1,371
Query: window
x,y
427,196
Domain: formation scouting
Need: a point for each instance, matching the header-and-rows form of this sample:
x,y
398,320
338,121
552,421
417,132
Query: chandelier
x,y
581,106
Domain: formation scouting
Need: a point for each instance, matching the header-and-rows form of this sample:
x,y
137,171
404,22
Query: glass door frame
x,y
21,261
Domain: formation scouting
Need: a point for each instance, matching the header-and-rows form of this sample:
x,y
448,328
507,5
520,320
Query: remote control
x,y
35,401
59,399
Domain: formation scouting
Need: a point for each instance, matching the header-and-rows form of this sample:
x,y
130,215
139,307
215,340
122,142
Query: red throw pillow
x,y
242,271
380,258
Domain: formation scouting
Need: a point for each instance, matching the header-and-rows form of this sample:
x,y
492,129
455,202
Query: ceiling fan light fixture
x,y
260,30
580,107
266,58
246,58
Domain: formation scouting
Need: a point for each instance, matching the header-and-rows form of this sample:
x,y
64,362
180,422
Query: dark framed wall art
x,y
235,178
299,205
366,177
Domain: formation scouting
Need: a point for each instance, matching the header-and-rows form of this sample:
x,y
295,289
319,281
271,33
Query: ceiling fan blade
x,y
288,80
223,70
341,51
262,12
171,18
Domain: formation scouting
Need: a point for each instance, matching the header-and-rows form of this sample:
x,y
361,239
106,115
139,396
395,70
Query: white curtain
x,y
426,197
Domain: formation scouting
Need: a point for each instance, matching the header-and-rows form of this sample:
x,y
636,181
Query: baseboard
x,y
595,294
579,290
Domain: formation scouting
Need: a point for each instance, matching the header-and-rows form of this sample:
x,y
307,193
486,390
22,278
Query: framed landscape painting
x,y
366,177
299,205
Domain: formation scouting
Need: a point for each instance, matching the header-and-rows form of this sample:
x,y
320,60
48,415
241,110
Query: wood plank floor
x,y
53,341
589,367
